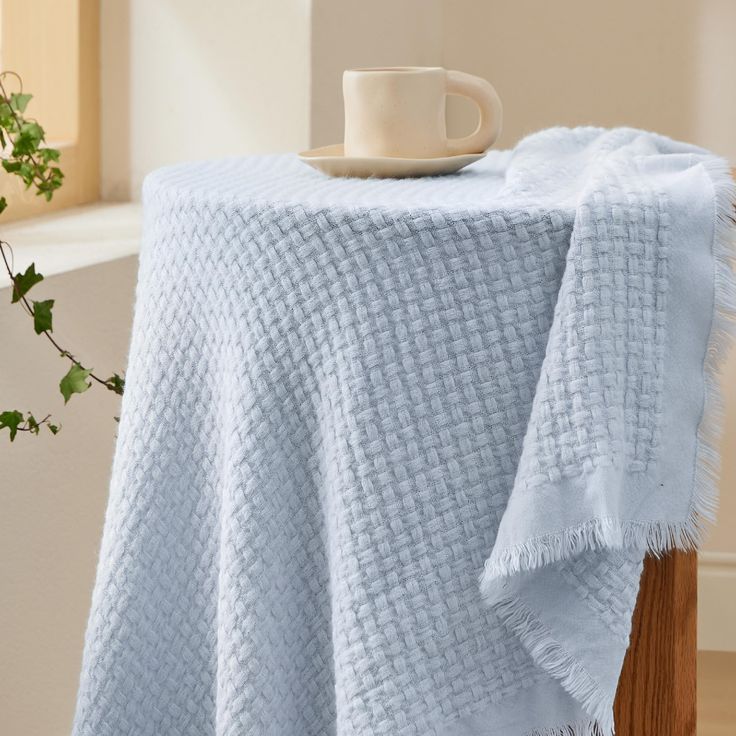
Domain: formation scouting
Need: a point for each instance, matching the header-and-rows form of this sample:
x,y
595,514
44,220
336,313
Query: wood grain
x,y
657,689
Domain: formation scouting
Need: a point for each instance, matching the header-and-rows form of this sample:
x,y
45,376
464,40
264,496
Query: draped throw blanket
x,y
391,452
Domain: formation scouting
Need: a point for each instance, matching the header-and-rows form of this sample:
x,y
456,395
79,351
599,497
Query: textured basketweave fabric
x,y
391,452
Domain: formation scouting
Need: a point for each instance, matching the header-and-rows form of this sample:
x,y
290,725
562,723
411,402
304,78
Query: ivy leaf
x,y
23,282
32,130
19,102
6,114
54,428
3,204
42,317
33,425
11,166
116,384
74,382
31,134
12,420
49,154
26,172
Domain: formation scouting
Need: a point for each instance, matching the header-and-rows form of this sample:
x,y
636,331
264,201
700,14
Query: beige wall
x,y
579,62
54,491
185,79
714,101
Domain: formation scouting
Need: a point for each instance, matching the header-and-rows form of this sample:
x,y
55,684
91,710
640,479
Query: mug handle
x,y
489,107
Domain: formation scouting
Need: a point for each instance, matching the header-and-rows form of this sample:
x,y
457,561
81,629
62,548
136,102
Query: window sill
x,y
74,238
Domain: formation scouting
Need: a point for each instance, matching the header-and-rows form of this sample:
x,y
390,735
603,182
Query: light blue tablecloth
x,y
348,400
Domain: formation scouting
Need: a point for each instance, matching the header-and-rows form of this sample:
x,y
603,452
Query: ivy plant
x,y
24,153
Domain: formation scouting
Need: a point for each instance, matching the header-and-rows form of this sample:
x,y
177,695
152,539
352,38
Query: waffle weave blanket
x,y
391,452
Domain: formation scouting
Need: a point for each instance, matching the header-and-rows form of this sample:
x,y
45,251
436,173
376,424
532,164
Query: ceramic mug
x,y
400,112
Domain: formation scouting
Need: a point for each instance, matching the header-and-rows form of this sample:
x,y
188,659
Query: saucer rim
x,y
335,151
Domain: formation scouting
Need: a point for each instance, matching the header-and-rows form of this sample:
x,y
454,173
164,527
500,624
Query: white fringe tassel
x,y
657,538
582,728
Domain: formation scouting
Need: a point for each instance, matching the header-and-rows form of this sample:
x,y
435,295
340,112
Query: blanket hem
x,y
581,728
599,533
704,503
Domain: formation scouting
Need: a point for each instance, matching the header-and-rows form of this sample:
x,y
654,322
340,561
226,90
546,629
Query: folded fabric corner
x,y
620,457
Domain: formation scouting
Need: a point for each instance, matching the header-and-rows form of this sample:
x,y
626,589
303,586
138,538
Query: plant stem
x,y
3,95
28,428
29,310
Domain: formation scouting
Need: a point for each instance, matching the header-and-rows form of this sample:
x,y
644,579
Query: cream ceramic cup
x,y
400,112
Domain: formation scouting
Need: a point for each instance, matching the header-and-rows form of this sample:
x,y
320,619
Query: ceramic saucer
x,y
332,160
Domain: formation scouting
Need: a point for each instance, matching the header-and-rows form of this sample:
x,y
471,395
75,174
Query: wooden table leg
x,y
656,692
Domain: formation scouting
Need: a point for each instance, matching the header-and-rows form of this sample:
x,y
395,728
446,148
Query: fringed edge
x,y
660,537
656,537
552,657
581,728
704,503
